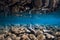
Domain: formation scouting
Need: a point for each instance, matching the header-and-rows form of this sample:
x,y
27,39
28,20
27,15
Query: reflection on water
x,y
50,18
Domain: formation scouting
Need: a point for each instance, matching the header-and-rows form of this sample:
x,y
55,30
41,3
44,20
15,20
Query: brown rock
x,y
57,34
25,37
22,30
32,37
41,37
15,30
17,38
2,37
13,36
15,9
8,38
14,1
38,3
29,1
38,32
58,38
49,35
7,33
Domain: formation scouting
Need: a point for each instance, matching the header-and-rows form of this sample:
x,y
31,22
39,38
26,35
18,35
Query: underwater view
x,y
29,19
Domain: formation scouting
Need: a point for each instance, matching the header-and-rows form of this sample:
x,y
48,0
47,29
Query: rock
x,y
57,34
18,30
2,37
32,37
17,38
38,3
49,35
13,36
29,1
31,30
27,8
15,30
45,10
21,30
38,32
44,30
7,33
15,9
58,38
26,30
46,3
25,37
41,37
8,38
23,33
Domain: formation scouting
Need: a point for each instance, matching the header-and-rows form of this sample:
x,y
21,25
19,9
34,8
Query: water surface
x,y
52,18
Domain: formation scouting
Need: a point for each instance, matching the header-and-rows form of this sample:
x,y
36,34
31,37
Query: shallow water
x,y
53,19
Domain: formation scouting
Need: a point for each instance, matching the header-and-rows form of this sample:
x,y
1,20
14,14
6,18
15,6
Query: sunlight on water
x,y
52,18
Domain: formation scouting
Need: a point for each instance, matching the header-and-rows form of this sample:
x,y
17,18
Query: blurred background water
x,y
52,18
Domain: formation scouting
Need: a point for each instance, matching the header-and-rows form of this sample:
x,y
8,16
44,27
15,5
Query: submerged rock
x,y
17,38
23,33
49,35
41,37
57,34
8,38
32,37
25,37
2,37
38,32
13,36
45,30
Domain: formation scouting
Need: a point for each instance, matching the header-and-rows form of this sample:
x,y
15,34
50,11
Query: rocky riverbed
x,y
27,33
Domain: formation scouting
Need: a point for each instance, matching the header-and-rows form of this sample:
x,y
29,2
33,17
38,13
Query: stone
x,y
31,30
8,38
27,30
7,33
2,37
57,34
17,38
44,30
23,33
58,38
49,35
15,30
13,36
25,37
21,30
38,32
41,37
32,37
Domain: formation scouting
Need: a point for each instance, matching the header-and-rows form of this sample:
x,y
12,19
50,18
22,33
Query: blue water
x,y
52,18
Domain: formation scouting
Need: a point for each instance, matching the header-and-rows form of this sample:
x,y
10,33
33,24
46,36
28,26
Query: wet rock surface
x,y
21,6
24,33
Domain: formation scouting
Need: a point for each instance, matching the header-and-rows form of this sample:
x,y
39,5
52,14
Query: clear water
x,y
53,19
